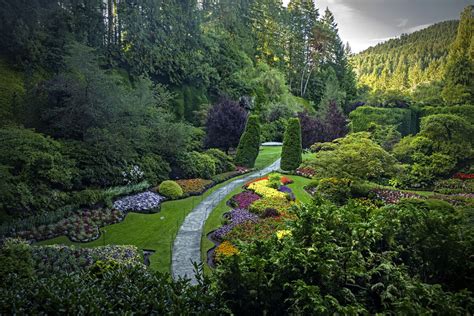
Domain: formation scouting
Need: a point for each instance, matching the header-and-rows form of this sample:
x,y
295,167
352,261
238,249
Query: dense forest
x,y
406,62
300,178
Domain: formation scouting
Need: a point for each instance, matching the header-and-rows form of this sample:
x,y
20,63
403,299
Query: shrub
x,y
291,151
335,189
170,189
197,165
88,197
355,157
249,144
223,162
274,180
155,168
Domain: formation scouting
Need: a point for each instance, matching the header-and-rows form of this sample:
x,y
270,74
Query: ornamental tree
x,y
225,124
249,144
291,152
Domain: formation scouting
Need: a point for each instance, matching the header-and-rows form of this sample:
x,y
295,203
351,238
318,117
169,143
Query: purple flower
x,y
236,217
139,202
244,199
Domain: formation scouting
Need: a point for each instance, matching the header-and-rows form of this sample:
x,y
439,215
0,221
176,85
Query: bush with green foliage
x,y
334,189
155,168
454,186
249,144
444,141
34,172
292,149
355,156
170,189
197,165
223,162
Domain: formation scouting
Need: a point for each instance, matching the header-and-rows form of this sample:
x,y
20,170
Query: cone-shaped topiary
x,y
249,144
291,151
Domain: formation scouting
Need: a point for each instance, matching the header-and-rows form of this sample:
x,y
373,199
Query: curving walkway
x,y
187,245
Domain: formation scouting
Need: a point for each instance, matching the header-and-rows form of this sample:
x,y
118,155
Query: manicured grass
x,y
297,187
267,156
146,231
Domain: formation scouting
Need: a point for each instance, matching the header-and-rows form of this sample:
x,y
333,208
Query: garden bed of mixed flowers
x,y
260,211
68,259
81,226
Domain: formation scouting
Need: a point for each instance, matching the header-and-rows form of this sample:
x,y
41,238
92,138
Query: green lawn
x,y
267,155
146,231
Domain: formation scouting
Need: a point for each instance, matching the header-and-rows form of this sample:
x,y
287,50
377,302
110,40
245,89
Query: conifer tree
x,y
291,151
459,78
249,144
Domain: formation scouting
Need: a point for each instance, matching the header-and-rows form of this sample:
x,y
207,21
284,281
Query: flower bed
x,y
454,186
226,249
194,186
235,217
261,188
219,178
82,226
393,196
464,176
249,232
306,172
281,204
64,259
289,193
244,199
140,202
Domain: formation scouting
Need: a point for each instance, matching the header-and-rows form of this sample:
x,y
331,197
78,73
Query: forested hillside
x,y
404,63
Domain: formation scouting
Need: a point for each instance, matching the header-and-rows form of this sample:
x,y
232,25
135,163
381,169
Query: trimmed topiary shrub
x,y
249,144
291,151
170,189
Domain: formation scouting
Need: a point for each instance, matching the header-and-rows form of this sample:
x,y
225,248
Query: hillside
x,y
406,61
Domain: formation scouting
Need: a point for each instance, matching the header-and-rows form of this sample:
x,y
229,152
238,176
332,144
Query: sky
x,y
364,23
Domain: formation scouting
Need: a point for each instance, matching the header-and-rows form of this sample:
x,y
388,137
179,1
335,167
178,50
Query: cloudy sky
x,y
364,23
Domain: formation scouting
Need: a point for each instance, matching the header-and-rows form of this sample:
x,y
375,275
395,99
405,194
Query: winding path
x,y
187,245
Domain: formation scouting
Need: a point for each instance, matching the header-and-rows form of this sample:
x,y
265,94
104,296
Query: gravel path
x,y
187,245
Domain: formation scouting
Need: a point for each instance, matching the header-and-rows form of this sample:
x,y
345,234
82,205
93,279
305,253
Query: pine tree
x,y
249,144
291,151
459,78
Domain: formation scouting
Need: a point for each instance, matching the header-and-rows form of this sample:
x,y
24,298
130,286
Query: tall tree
x,y
460,66
249,143
225,124
292,148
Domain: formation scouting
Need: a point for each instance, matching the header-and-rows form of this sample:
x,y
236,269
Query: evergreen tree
x,y
292,148
249,144
459,87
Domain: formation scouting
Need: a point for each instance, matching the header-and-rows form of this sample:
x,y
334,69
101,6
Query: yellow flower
x,y
262,189
226,249
282,233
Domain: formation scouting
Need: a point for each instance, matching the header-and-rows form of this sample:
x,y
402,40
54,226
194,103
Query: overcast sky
x,y
364,23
